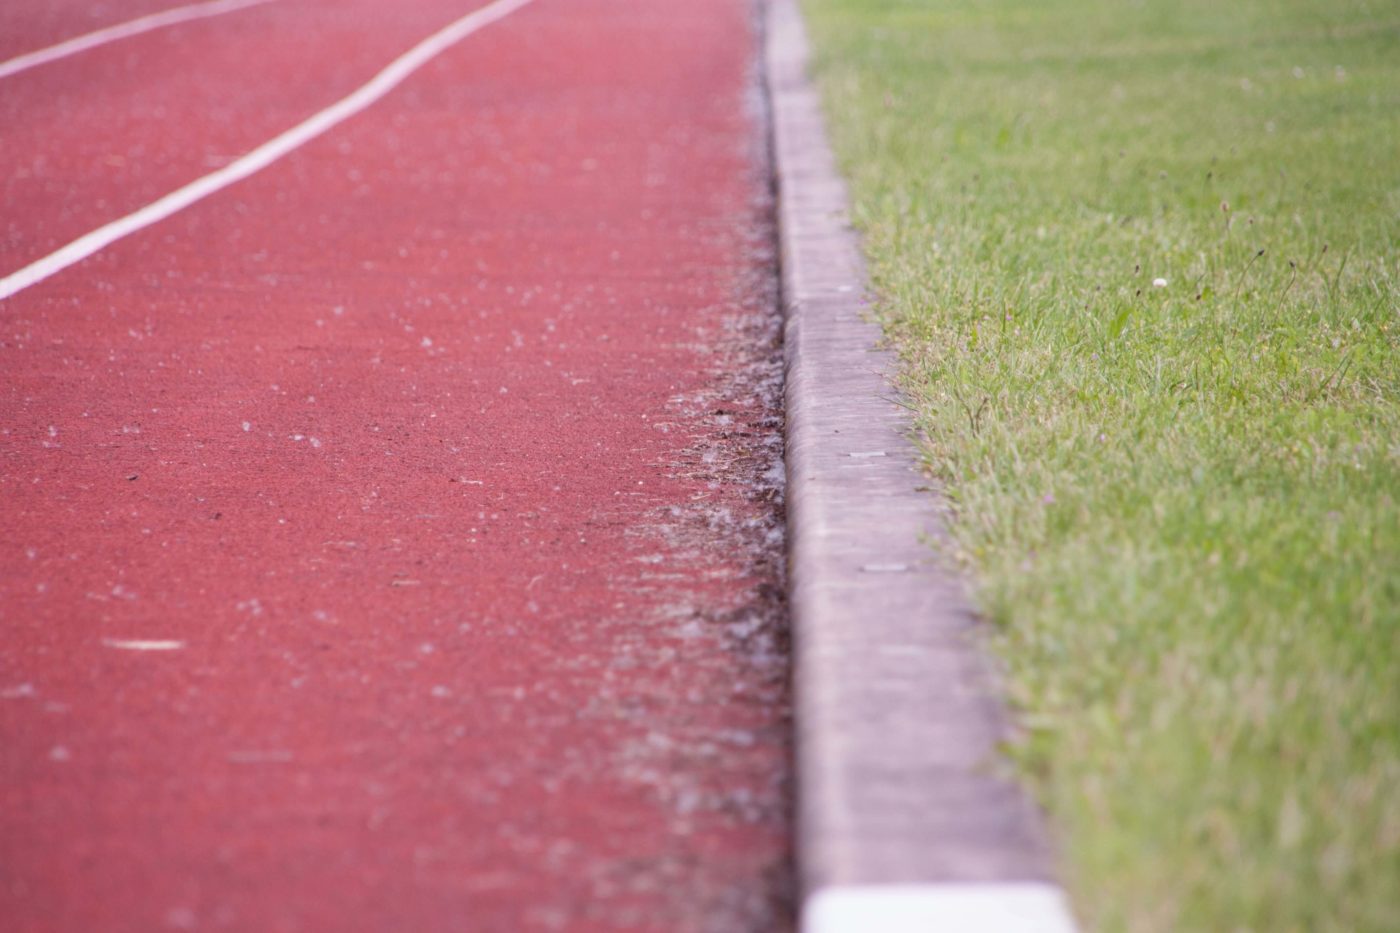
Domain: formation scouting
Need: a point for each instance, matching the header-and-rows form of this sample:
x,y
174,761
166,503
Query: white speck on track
x,y
143,644
260,158
124,30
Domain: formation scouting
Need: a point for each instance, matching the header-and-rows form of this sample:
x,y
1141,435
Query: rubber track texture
x,y
385,542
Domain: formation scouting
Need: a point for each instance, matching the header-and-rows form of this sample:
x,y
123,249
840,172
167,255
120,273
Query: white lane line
x,y
143,644
125,30
264,155
1031,907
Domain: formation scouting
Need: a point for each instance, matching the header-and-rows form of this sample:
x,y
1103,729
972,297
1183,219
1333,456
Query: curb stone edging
x,y
902,822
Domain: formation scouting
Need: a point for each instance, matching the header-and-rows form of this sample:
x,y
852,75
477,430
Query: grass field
x,y
1142,260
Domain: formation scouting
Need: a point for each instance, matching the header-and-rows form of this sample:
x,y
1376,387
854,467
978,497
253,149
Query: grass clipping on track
x,y
1141,260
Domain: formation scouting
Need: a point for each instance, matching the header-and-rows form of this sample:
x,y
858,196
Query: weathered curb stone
x,y
904,820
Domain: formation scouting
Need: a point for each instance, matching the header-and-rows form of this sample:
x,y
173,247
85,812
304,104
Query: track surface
x,y
439,455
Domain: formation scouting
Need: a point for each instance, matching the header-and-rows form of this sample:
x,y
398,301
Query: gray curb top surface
x,y
897,717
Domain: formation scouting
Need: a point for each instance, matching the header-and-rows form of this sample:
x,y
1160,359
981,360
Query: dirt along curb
x,y
904,820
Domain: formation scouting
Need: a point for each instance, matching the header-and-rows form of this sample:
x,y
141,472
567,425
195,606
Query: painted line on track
x,y
143,644
125,30
920,908
264,155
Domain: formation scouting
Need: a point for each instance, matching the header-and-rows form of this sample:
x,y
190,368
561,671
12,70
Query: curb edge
x,y
902,817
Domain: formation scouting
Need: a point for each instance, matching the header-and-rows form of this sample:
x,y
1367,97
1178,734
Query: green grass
x,y
1181,504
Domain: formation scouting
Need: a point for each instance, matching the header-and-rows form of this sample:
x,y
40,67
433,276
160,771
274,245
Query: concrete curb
x,y
902,822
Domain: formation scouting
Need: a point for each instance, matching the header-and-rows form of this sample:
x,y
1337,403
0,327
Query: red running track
x,y
441,457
